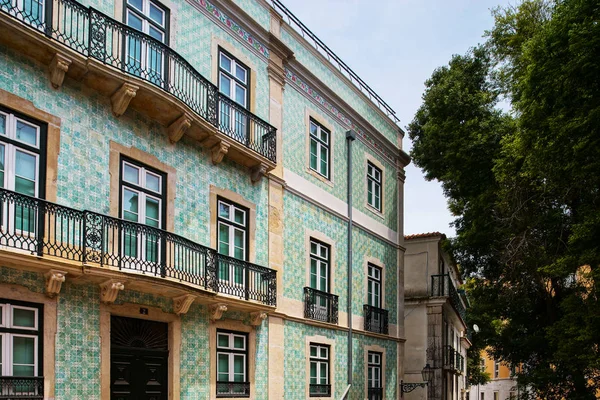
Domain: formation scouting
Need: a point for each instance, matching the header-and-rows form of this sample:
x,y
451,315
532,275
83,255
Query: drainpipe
x,y
350,137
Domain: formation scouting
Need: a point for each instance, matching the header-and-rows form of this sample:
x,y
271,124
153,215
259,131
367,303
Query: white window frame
x,y
378,281
232,226
233,79
374,366
374,181
320,261
230,351
6,309
496,369
322,146
139,189
144,15
320,362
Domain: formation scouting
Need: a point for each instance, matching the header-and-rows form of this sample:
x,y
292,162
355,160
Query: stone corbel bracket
x,y
121,98
178,127
109,290
216,311
218,151
181,304
54,281
257,172
256,318
58,68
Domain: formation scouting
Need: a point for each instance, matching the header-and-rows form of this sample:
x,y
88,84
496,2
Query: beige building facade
x,y
434,320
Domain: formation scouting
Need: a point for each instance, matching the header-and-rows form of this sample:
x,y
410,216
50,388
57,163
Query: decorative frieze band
x,y
299,83
233,26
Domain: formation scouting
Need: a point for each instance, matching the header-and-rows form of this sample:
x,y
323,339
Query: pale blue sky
x,y
394,46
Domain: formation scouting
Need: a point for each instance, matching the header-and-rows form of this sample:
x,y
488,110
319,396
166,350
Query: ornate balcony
x,y
320,306
375,393
21,387
233,389
376,319
453,360
51,230
89,46
442,286
319,390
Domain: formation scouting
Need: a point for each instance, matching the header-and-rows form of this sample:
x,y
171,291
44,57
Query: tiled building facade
x,y
174,207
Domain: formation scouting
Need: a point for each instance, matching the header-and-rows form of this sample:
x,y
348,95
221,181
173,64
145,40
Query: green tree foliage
x,y
524,185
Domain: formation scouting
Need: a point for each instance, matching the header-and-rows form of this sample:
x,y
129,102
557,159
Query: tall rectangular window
x,y
319,265
496,369
232,239
319,371
496,396
374,186
143,200
319,148
234,80
20,338
374,375
374,285
232,364
22,157
143,57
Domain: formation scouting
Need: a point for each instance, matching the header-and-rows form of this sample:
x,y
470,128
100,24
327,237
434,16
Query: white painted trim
x,y
330,203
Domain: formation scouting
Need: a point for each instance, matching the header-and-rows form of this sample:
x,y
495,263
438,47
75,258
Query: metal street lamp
x,y
426,373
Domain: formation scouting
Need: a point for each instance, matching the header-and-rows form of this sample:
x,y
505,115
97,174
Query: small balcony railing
x,y
453,360
376,319
48,229
21,387
96,35
233,389
315,390
375,393
441,286
320,306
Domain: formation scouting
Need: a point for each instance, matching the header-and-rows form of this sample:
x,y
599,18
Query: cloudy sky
x,y
394,46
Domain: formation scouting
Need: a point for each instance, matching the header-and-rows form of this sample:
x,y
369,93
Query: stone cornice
x,y
311,87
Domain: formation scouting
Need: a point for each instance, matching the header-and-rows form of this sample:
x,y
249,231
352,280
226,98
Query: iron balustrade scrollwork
x,y
320,306
21,387
442,286
96,35
233,389
318,390
453,360
376,319
44,228
245,280
375,393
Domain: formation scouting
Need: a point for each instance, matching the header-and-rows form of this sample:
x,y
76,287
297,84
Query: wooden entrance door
x,y
139,359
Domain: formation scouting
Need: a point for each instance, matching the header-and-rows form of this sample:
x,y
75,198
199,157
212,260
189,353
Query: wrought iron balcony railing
x,y
320,306
376,319
21,387
319,390
96,35
44,228
375,393
441,285
453,359
233,389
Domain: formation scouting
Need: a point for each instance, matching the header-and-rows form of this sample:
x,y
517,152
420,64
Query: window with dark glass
x,y
234,80
374,186
144,58
22,167
319,148
319,371
232,239
143,200
20,340
232,364
374,375
374,285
